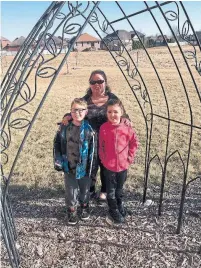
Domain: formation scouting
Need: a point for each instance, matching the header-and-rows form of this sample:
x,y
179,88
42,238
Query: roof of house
x,y
17,42
4,41
138,33
85,37
122,34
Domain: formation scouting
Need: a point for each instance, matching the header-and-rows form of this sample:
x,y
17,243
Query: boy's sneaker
x,y
72,217
116,216
85,213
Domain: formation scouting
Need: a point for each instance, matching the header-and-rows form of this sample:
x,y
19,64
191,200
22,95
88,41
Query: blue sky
x,y
19,17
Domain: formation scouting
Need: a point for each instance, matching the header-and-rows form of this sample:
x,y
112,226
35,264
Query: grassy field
x,y
37,195
35,164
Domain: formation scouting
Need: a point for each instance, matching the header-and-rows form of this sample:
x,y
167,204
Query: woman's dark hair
x,y
102,73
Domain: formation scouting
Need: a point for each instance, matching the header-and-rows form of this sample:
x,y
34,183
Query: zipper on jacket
x,y
116,149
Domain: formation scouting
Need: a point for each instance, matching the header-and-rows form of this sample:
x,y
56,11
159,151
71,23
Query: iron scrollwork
x,y
17,93
184,34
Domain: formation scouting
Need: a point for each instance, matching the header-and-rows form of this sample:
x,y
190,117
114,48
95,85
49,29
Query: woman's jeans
x,y
114,187
102,174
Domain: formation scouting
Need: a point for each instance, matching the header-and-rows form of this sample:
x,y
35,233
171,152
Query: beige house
x,y
86,42
4,42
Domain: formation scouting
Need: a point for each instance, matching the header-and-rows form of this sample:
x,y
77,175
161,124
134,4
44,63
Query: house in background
x,y
193,39
157,40
50,45
112,42
4,43
86,42
16,44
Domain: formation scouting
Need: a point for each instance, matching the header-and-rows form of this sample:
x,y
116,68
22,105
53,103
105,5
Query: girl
x,y
117,147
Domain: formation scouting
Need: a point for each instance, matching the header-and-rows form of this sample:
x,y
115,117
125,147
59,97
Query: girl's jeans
x,y
114,187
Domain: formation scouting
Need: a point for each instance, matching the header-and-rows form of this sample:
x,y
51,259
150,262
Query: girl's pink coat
x,y
117,146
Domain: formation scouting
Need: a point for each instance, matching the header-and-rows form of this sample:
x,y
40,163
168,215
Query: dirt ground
x,y
37,189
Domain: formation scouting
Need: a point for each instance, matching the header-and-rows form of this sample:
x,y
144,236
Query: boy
x,y
117,147
74,154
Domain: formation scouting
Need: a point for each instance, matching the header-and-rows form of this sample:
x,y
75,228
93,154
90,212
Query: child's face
x,y
114,114
78,112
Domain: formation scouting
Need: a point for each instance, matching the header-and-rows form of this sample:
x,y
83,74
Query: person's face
x,y
78,112
114,113
98,88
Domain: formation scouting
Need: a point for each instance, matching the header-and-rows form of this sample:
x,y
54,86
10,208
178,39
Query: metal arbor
x,y
72,17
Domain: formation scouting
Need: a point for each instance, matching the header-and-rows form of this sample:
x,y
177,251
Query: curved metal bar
x,y
185,60
26,45
30,36
158,158
191,130
41,74
185,90
9,212
45,95
147,138
14,263
192,180
140,12
168,130
163,179
177,121
177,152
198,42
17,89
8,236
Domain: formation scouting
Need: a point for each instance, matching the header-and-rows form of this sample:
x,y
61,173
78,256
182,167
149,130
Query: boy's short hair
x,y
115,102
80,102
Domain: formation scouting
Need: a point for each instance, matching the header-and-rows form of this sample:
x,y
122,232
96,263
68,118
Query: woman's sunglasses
x,y
99,82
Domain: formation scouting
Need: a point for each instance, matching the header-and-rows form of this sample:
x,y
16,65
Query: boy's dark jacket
x,y
86,165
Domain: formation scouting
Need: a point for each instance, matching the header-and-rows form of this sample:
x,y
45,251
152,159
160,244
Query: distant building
x,y
16,44
86,42
158,40
115,40
193,39
4,43
51,44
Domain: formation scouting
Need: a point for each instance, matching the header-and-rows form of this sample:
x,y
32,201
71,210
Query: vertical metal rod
x,y
168,112
191,129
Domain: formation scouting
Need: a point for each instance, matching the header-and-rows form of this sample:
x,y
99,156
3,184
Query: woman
x,y
97,97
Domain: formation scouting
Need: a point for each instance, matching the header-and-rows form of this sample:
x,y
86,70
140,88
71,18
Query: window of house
x,y
82,44
76,43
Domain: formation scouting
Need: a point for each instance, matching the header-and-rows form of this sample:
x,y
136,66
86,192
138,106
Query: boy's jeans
x,y
74,187
114,187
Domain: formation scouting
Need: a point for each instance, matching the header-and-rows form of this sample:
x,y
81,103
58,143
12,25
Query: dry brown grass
x,y
145,240
35,164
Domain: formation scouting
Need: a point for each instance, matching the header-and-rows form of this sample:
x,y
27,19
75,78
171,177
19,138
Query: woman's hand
x,y
66,119
126,122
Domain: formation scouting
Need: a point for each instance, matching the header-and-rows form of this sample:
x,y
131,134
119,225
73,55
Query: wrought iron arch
x,y
17,92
